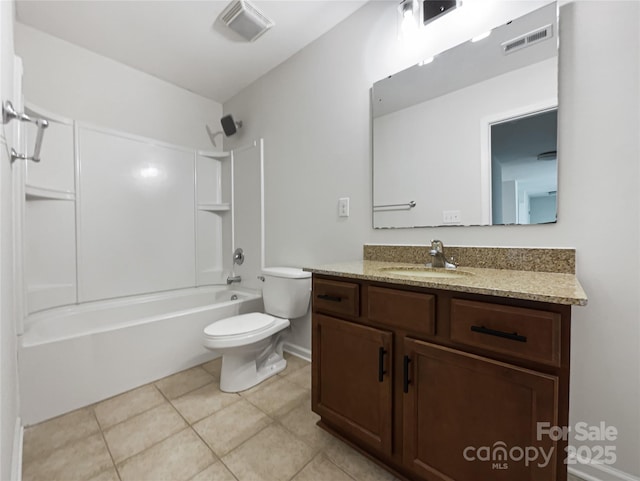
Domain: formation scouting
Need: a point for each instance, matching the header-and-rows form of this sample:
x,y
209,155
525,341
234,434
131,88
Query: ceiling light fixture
x,y
408,17
246,20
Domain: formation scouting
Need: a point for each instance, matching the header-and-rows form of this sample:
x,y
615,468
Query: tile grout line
x,y
187,392
157,442
274,421
48,451
230,451
245,441
274,416
305,465
347,473
220,461
321,452
154,445
106,444
130,417
240,397
190,426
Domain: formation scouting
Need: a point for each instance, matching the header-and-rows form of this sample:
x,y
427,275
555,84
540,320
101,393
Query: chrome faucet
x,y
238,258
438,257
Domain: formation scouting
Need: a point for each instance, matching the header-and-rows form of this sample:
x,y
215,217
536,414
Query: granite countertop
x,y
556,288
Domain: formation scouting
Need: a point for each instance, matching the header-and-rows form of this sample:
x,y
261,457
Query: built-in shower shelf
x,y
214,207
41,193
213,155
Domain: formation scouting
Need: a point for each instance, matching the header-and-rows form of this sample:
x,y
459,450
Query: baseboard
x,y
301,352
588,471
16,458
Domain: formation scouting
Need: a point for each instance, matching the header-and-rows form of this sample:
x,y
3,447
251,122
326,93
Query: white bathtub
x,y
77,355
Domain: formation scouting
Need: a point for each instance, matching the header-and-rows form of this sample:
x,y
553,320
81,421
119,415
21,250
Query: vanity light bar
x,y
528,39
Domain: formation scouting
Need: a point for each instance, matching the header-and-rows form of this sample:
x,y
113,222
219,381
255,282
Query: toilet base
x,y
241,370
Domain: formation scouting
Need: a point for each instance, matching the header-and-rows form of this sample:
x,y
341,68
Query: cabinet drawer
x,y
517,331
413,311
336,297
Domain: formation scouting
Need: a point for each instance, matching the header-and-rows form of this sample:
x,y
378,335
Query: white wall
x,y
79,84
9,410
313,111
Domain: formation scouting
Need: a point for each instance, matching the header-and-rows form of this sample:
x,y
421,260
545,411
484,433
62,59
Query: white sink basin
x,y
426,272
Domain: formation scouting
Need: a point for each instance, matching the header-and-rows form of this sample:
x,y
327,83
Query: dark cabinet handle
x,y
381,371
327,297
514,336
405,374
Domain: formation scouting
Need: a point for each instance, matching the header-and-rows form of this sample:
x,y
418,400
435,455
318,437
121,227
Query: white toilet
x,y
251,344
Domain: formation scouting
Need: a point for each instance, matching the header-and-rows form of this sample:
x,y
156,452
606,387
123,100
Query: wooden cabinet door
x,y
352,379
456,401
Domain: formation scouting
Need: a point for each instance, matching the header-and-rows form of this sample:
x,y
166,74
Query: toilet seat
x,y
239,325
242,329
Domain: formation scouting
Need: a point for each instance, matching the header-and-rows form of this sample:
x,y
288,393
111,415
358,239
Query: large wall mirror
x,y
469,137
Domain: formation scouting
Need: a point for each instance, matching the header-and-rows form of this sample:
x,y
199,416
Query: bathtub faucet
x,y
232,279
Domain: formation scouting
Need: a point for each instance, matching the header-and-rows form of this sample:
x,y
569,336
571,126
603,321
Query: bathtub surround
x,y
599,201
161,228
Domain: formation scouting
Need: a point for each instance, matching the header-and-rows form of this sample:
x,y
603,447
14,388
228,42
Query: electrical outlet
x,y
343,207
451,216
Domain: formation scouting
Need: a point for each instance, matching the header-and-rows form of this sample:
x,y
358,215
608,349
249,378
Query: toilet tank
x,y
286,291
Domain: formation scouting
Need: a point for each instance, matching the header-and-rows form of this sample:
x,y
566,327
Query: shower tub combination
x,y
77,355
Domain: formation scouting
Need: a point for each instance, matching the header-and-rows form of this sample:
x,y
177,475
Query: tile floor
x,y
184,428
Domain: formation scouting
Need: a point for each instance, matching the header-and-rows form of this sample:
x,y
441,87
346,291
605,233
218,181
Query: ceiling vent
x,y
528,39
246,20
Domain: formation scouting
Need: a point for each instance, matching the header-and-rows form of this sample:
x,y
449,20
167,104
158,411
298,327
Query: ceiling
x,y
181,41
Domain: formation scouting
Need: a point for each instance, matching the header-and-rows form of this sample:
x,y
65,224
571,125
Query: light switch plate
x,y
451,216
343,207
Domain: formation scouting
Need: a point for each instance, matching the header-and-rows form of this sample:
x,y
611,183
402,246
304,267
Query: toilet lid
x,y
238,325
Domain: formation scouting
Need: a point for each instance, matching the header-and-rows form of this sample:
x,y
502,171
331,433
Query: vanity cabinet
x,y
456,401
351,366
353,384
438,385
